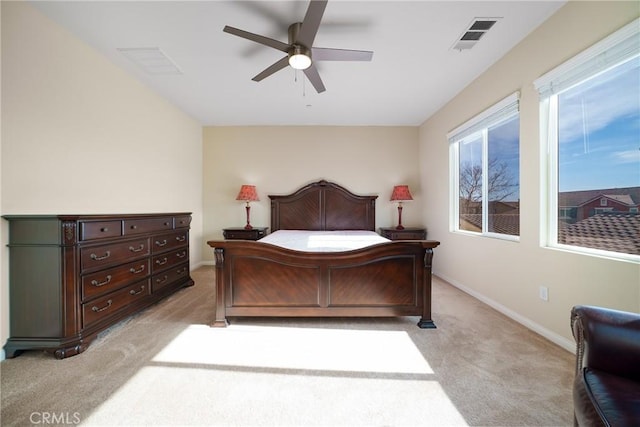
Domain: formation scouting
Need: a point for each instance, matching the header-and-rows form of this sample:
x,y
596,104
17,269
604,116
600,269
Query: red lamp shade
x,y
400,194
248,194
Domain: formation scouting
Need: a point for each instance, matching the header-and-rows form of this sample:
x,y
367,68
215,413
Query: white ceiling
x,y
414,70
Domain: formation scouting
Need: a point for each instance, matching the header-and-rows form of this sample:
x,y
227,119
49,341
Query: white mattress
x,y
323,241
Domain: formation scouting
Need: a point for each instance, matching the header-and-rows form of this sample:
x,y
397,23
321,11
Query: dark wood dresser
x,y
72,276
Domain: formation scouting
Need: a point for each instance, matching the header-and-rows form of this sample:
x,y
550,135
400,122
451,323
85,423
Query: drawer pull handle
x,y
181,271
162,261
164,279
134,271
133,291
181,238
163,243
181,254
167,224
104,229
134,227
141,248
100,258
98,284
98,310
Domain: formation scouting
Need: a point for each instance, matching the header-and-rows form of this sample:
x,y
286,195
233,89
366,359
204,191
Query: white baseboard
x,y
201,264
563,342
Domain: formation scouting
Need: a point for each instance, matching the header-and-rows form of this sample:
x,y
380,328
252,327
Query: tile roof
x,y
609,231
499,223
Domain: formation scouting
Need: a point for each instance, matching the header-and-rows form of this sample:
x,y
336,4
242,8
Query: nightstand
x,y
241,233
408,233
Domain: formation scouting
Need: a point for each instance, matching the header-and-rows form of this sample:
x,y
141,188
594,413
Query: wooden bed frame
x,y
255,279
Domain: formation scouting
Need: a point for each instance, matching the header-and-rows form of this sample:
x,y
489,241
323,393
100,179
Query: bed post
x,y
426,322
220,315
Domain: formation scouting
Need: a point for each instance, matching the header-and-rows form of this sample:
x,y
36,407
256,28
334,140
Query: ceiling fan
x,y
301,54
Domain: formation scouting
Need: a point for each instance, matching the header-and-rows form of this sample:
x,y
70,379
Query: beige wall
x,y
4,288
81,136
279,160
508,274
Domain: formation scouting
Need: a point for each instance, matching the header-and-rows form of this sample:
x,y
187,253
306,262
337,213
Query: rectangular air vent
x,y
151,59
474,32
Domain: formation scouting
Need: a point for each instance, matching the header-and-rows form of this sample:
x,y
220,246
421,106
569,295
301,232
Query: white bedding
x,y
323,241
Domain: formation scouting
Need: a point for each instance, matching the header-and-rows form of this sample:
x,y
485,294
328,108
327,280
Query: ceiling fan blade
x,y
328,54
277,66
276,44
314,78
311,22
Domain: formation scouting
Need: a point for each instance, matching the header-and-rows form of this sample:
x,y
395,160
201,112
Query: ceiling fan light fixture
x,y
300,58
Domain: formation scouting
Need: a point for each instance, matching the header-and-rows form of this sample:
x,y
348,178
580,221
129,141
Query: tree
x,y
501,184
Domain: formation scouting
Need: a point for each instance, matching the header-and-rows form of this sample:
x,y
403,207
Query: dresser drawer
x,y
92,230
169,241
160,280
105,281
95,257
183,221
109,304
169,259
148,225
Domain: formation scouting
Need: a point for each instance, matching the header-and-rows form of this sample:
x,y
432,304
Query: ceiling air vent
x,y
474,33
151,59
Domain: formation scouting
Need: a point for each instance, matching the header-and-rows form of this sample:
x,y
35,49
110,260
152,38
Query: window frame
x,y
619,47
499,113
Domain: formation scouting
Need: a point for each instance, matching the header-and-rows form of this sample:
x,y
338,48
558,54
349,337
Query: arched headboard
x,y
323,205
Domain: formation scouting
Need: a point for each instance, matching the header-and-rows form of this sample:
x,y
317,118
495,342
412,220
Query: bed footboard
x,y
261,280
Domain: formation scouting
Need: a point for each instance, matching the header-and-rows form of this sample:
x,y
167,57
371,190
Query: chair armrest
x,y
607,340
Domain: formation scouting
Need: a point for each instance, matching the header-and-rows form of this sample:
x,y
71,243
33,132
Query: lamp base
x,y
399,227
248,226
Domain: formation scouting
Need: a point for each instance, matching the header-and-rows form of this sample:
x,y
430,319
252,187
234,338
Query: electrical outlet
x,y
544,293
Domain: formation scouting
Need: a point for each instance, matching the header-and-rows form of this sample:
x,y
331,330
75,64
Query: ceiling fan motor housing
x,y
294,30
299,55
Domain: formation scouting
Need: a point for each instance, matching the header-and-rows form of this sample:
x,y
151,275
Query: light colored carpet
x,y
165,366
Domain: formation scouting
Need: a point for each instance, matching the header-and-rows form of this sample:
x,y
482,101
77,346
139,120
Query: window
x,y
485,154
602,210
590,122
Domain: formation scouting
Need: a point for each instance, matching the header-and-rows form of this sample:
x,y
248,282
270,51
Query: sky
x,y
599,136
503,145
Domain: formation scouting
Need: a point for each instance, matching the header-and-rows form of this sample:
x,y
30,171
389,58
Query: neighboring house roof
x,y
579,198
610,231
622,198
619,198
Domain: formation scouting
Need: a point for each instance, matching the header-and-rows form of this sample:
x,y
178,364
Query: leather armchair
x,y
606,389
